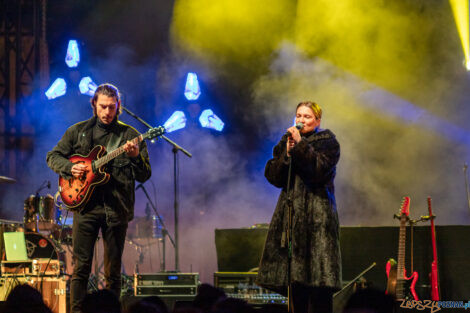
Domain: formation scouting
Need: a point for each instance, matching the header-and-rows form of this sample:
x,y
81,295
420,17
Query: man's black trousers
x,y
84,235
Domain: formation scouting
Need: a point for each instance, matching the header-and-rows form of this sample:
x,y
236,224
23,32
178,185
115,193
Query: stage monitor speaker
x,y
239,250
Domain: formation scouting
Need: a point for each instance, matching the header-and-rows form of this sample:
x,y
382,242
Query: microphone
x,y
299,126
139,186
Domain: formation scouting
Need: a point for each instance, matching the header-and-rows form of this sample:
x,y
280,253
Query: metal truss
x,y
23,65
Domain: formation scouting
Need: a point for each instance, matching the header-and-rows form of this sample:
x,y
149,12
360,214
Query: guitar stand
x,y
412,222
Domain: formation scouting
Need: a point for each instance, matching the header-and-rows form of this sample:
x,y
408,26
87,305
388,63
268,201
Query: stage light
x,y
87,86
176,121
192,90
461,16
57,89
209,120
72,58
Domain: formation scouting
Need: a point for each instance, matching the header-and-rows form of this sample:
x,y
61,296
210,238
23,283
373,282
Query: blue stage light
x,y
192,90
209,120
87,86
73,54
176,121
57,89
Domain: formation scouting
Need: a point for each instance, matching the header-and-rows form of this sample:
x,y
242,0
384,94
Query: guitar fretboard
x,y
401,255
118,151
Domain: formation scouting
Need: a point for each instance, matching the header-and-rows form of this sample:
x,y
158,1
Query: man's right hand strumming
x,y
78,170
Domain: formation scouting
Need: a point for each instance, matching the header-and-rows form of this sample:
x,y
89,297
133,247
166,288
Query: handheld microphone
x,y
299,126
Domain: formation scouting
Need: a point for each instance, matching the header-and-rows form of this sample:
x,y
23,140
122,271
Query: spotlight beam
x,y
461,16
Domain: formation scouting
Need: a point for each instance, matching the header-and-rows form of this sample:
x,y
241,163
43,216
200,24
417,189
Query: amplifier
x,y
241,285
166,284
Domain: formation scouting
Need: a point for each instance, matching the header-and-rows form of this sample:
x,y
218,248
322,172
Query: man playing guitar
x,y
109,205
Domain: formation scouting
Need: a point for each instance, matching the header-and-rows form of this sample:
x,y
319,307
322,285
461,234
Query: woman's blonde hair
x,y
313,106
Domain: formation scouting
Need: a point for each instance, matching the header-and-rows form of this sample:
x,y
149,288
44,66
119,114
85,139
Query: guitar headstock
x,y
154,132
405,206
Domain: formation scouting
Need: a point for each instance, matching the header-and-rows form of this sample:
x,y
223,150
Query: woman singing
x,y
316,258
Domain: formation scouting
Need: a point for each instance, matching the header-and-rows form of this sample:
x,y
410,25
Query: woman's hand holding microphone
x,y
293,138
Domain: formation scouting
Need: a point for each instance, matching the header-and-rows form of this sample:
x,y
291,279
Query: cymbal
x,y
6,180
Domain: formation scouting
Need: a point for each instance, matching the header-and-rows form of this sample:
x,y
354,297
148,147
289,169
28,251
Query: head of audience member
x,y
101,301
232,305
207,296
152,304
273,308
187,309
25,299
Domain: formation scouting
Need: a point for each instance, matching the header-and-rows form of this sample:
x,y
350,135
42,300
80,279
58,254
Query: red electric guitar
x,y
75,192
398,285
434,276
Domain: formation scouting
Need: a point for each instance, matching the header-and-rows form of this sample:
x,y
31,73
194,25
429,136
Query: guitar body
x,y
391,270
398,285
75,192
400,288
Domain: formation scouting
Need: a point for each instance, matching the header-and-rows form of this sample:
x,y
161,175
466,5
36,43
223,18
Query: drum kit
x,y
47,233
48,230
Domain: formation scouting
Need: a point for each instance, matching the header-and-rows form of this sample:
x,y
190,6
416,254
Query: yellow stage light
x,y
460,10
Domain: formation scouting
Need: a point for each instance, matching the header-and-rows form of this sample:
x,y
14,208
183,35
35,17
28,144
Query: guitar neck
x,y
116,152
401,248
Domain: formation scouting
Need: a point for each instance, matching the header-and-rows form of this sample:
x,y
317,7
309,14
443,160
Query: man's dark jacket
x,y
118,193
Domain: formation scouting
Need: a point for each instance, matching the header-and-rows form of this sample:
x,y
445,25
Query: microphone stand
x,y
290,216
465,167
175,150
164,231
290,206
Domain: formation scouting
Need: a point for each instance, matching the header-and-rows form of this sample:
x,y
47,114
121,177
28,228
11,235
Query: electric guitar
x,y
75,192
398,285
434,276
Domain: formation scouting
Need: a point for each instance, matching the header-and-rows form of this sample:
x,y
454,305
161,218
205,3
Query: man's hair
x,y
108,90
313,106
